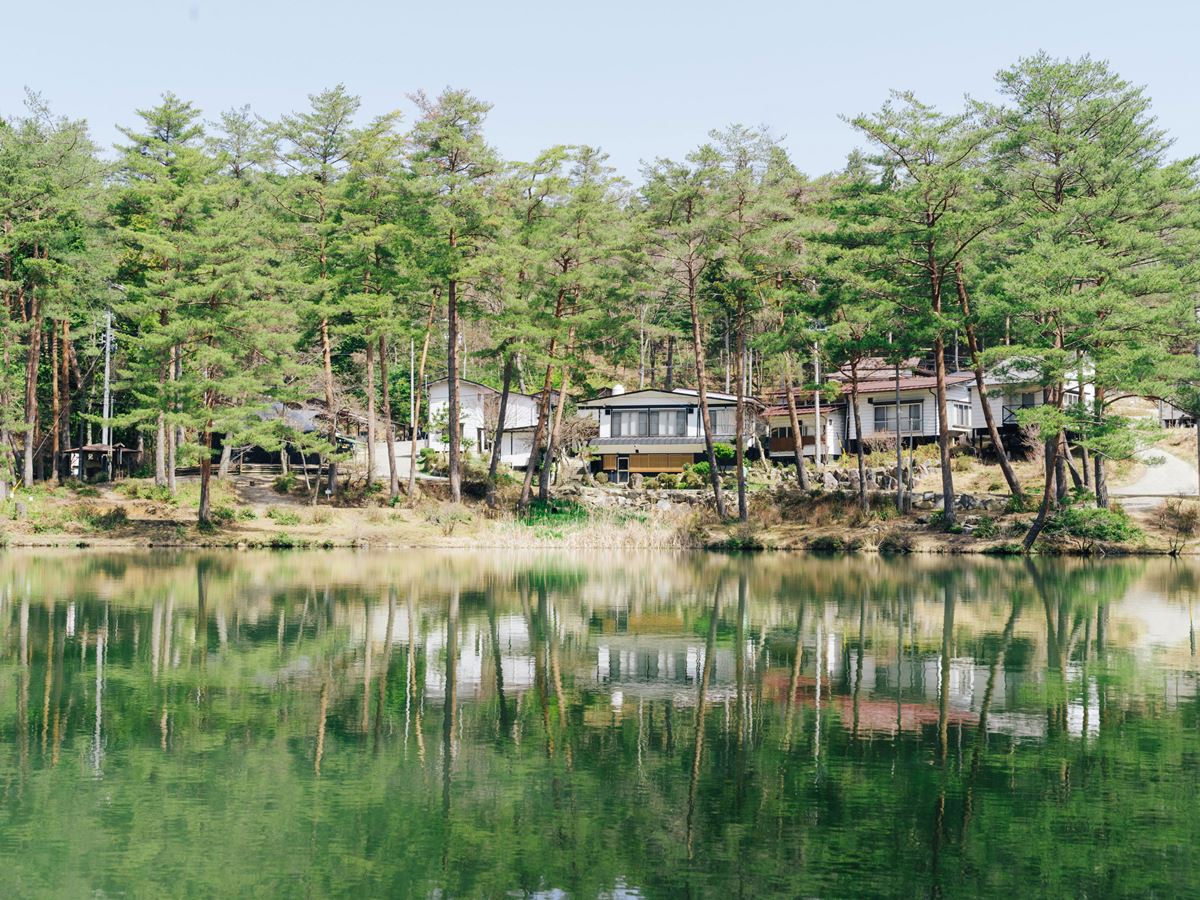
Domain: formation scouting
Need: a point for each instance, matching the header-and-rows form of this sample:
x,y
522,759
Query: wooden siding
x,y
649,462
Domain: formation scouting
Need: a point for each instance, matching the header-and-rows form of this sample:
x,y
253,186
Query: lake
x,y
615,724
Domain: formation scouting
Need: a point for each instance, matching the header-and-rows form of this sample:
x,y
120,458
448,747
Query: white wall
x,y
957,393
721,411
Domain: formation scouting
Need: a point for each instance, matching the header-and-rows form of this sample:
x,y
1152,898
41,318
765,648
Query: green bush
x,y
601,478
1090,523
283,516
987,528
827,544
724,453
105,520
667,481
554,512
428,460
285,484
896,541
741,540
222,515
1005,549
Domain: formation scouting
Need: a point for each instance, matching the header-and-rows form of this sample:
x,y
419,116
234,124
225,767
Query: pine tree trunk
x,y
412,462
794,419
858,449
389,426
1100,481
55,401
172,431
160,452
670,382
370,351
1010,476
226,458
1047,493
739,440
453,423
539,431
939,368
702,395
64,384
205,514
32,360
498,440
556,425
330,411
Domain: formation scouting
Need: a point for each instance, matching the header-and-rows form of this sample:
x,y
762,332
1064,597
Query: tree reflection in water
x,y
663,724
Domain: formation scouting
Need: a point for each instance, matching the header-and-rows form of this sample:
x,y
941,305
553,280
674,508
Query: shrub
x,y
896,541
102,520
827,544
448,517
320,516
667,481
428,459
1006,549
284,541
601,478
724,453
554,512
961,463
701,470
283,516
880,443
986,529
222,515
284,484
1014,505
1180,521
741,539
1111,525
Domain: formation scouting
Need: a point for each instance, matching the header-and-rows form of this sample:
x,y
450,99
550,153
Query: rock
x,y
663,504
829,481
636,481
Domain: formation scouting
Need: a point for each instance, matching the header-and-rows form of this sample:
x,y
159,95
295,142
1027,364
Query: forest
x,y
162,295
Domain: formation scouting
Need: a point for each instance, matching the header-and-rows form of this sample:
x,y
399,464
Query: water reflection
x,y
472,725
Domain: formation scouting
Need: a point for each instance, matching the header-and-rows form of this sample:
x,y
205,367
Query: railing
x,y
1008,414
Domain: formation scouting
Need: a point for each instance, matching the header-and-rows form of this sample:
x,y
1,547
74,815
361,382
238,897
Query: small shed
x,y
96,460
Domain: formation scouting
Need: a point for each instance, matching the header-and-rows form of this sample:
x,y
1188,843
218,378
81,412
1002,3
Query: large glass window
x,y
648,423
961,416
910,417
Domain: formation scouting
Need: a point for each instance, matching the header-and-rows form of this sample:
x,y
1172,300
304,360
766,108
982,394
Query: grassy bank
x,y
136,513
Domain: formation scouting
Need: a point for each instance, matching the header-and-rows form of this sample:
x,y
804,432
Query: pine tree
x,y
454,169
311,152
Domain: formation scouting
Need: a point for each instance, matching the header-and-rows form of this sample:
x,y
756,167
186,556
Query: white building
x,y
479,409
1015,385
652,431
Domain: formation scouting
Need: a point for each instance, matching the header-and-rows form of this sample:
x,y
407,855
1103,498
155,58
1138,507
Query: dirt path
x,y
1164,475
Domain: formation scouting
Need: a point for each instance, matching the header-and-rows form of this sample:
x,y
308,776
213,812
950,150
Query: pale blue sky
x,y
640,79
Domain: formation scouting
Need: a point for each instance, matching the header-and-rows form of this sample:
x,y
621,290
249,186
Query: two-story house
x,y
652,431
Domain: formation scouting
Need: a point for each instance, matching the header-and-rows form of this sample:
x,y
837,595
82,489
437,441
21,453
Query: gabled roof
x,y
488,388
689,394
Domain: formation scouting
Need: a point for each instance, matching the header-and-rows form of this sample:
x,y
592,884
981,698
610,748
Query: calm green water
x,y
466,725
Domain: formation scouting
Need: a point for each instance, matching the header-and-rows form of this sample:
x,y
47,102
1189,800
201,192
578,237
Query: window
x,y
648,423
910,417
722,420
960,415
784,431
1028,399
